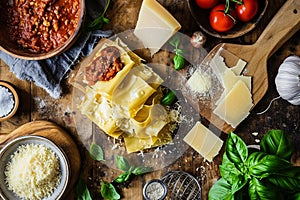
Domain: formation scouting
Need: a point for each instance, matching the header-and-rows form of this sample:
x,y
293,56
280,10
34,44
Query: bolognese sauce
x,y
42,25
105,66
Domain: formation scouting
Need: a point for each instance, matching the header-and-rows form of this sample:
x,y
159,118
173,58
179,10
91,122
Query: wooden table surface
x,y
36,104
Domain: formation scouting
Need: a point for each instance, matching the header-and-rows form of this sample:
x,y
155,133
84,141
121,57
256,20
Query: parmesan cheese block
x,y
236,105
205,142
155,25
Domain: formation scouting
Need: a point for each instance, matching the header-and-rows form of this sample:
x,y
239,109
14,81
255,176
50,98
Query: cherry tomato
x,y
206,4
247,10
221,21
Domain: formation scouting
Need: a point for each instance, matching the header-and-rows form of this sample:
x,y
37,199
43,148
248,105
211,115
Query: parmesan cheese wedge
x,y
229,80
155,25
236,105
204,141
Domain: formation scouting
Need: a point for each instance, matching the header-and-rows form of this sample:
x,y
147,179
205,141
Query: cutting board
x,y
57,135
284,24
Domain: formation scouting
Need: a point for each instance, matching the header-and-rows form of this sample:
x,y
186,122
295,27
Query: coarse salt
x,y
6,101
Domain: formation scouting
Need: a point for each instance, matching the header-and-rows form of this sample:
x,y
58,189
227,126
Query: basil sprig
x,y
178,58
108,190
123,164
264,174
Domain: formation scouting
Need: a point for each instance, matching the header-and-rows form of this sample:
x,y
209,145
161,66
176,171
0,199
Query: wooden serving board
x,y
57,135
284,24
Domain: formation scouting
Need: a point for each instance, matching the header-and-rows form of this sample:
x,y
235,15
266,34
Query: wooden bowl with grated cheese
x,y
33,167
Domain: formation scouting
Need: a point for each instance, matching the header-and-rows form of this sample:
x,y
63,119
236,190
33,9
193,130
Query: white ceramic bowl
x,y
12,146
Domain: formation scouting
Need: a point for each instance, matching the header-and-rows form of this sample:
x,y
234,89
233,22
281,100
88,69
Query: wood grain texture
x,y
57,135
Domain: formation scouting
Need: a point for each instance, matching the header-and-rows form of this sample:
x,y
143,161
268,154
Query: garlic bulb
x,y
288,80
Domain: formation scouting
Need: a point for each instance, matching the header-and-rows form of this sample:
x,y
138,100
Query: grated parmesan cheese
x,y
33,172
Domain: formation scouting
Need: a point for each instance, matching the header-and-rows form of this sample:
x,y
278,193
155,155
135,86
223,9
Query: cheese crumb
x,y
255,133
33,172
199,82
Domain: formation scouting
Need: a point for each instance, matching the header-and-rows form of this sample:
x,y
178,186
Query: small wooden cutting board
x,y
57,135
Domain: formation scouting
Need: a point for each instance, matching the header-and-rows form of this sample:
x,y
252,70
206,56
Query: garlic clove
x,y
198,39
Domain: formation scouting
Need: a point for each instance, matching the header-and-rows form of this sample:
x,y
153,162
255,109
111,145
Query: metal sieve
x,y
182,185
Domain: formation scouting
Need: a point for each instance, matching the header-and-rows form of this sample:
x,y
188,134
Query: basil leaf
x,y
96,152
261,165
123,177
168,98
259,190
178,62
236,150
141,170
108,191
276,142
82,190
221,190
232,175
122,163
287,179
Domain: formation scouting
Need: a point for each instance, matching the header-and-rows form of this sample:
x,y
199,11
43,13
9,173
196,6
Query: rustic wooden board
x,y
56,134
284,24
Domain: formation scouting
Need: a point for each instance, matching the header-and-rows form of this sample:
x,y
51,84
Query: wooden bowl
x,y
11,47
16,101
201,17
